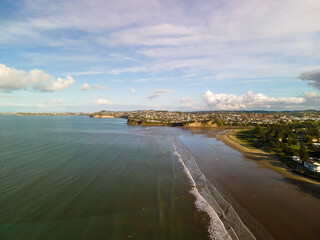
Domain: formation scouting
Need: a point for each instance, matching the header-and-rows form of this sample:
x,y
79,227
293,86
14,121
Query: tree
x,y
307,139
303,153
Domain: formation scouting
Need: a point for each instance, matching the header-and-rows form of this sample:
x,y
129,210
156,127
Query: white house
x,y
312,166
296,158
317,144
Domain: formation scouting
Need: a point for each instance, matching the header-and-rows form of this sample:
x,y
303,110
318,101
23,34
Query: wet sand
x,y
259,186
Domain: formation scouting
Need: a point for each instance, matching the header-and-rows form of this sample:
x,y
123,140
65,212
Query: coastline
x,y
262,190
265,158
104,116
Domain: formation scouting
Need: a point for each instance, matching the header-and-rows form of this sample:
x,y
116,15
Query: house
x,y
296,159
317,144
312,166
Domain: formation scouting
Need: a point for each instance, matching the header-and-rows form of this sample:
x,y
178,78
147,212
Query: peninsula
x,y
293,137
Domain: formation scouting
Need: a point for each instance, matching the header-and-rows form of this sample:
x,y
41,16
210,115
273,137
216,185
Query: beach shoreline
x,y
261,188
267,159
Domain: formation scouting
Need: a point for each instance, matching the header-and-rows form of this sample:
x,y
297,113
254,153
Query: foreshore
x,y
261,188
267,159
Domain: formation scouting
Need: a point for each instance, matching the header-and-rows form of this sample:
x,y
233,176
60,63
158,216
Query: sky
x,y
79,55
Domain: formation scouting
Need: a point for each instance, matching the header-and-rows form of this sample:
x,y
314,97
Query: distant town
x,y
210,119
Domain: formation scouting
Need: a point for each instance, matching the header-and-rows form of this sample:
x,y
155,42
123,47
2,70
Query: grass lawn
x,y
247,136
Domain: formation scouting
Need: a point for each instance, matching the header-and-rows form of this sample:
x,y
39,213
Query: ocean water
x,y
69,177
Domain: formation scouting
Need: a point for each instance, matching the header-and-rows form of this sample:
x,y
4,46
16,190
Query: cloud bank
x,y
12,79
210,35
224,101
170,41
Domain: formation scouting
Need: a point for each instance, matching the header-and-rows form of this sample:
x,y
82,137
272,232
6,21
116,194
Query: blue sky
x,y
141,54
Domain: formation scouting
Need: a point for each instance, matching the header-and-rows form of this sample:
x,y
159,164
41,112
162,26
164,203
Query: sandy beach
x,y
261,188
265,158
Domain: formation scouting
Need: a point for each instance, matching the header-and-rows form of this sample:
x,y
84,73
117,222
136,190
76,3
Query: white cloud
x,y
249,101
133,91
310,95
86,87
158,93
102,101
13,79
47,83
312,99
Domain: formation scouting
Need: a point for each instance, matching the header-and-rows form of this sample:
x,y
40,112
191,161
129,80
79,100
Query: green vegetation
x,y
248,136
287,140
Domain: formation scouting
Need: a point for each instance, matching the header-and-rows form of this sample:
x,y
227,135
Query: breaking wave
x,y
224,221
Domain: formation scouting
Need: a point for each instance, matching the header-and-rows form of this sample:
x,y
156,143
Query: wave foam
x,y
224,221
216,230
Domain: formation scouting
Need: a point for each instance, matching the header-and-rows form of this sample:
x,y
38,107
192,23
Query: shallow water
x,y
83,178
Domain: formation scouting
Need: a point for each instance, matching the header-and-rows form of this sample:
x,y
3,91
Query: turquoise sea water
x,y
80,178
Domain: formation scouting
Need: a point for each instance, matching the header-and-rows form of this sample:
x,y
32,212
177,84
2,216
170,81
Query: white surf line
x,y
229,205
216,229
